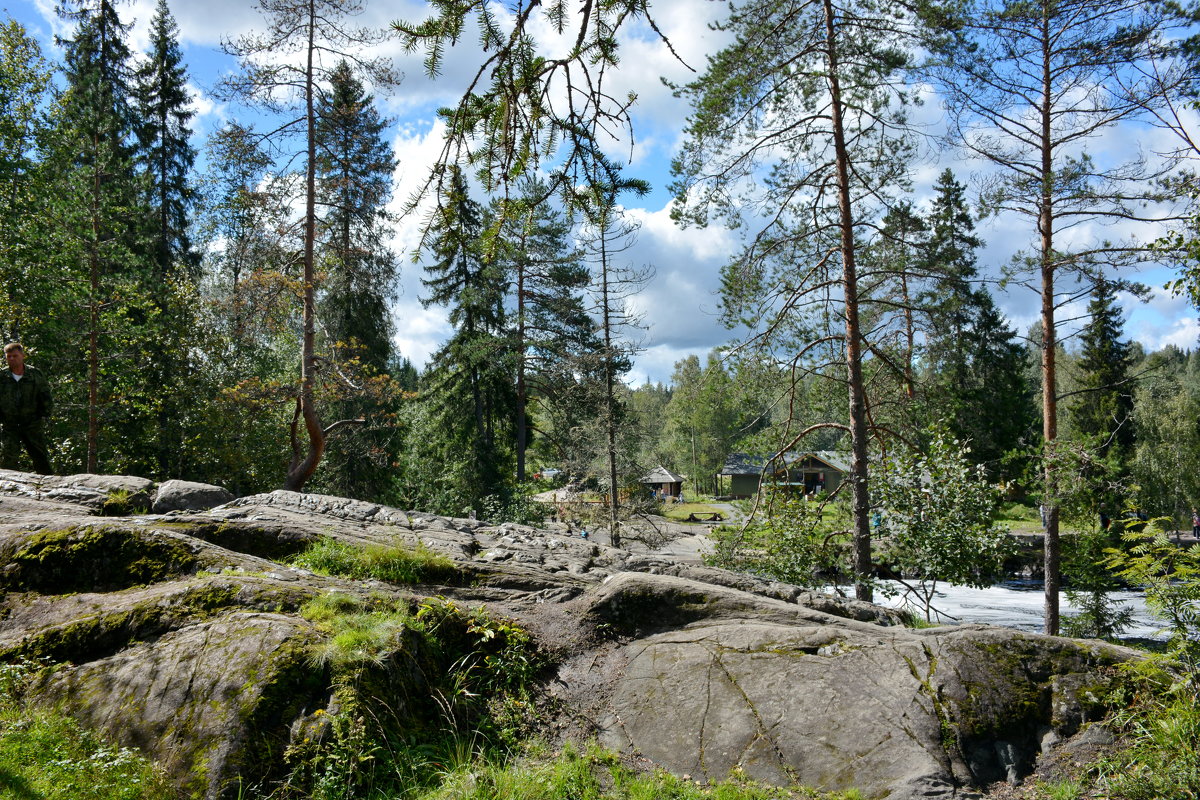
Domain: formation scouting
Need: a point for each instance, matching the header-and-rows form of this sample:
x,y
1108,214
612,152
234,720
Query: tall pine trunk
x,y
1049,344
859,430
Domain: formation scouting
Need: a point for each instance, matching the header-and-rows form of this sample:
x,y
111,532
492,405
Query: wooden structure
x,y
811,473
663,483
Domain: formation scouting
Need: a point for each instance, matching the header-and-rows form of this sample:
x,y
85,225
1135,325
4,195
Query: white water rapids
x,y
1016,606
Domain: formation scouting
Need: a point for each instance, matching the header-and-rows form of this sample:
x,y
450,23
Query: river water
x,y
1019,606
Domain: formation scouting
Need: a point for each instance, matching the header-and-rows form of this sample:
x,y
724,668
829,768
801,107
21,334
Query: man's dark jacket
x,y
25,401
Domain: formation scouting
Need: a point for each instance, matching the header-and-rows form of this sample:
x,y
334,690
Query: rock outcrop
x,y
179,633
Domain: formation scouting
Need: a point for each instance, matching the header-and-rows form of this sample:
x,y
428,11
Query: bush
x,y
1159,728
799,542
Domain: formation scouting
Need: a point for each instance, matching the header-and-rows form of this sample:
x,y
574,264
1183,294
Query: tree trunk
x,y
93,431
859,431
1049,344
614,503
522,429
301,470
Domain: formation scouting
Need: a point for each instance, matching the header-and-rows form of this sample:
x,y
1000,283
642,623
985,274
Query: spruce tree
x,y
550,327
468,390
99,217
165,152
166,157
975,362
1103,409
354,178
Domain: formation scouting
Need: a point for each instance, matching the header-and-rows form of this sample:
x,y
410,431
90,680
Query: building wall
x,y
743,485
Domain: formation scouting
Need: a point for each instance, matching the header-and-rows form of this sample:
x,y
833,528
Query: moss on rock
x,y
96,559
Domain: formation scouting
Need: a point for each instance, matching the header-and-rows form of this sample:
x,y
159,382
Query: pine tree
x,y
802,115
317,33
1029,84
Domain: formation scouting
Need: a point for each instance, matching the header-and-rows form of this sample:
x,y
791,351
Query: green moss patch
x,y
96,559
96,636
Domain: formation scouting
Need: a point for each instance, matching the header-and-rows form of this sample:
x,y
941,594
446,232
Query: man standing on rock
x,y
25,403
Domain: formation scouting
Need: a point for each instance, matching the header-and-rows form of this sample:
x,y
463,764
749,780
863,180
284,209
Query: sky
x,y
680,303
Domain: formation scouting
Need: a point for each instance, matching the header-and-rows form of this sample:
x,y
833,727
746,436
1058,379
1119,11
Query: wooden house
x,y
663,483
810,472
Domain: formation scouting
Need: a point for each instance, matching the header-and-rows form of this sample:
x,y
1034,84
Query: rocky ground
x,y
179,633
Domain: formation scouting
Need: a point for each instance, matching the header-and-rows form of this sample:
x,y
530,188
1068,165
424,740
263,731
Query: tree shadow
x,y
17,787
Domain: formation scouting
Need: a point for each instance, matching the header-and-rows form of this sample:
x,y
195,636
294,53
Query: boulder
x,y
98,494
188,496
180,634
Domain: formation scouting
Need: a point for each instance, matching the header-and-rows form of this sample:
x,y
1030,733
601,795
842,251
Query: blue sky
x,y
680,304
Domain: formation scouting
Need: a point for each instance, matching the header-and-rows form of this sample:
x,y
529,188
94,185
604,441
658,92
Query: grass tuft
x,y
377,562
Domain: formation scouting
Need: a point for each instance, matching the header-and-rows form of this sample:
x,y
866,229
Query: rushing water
x,y
1019,606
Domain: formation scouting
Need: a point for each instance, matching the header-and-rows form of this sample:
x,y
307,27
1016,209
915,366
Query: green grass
x,y
47,756
1020,518
360,632
1062,790
596,774
680,511
378,562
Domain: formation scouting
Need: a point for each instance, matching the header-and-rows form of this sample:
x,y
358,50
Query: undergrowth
x,y
387,563
597,774
48,756
1159,726
419,691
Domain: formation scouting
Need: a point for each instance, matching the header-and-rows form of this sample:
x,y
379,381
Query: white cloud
x,y
419,331
1164,320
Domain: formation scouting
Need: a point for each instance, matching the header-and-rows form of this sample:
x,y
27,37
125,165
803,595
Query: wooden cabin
x,y
810,472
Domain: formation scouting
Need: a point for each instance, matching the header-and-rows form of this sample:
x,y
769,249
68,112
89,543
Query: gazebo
x,y
663,483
